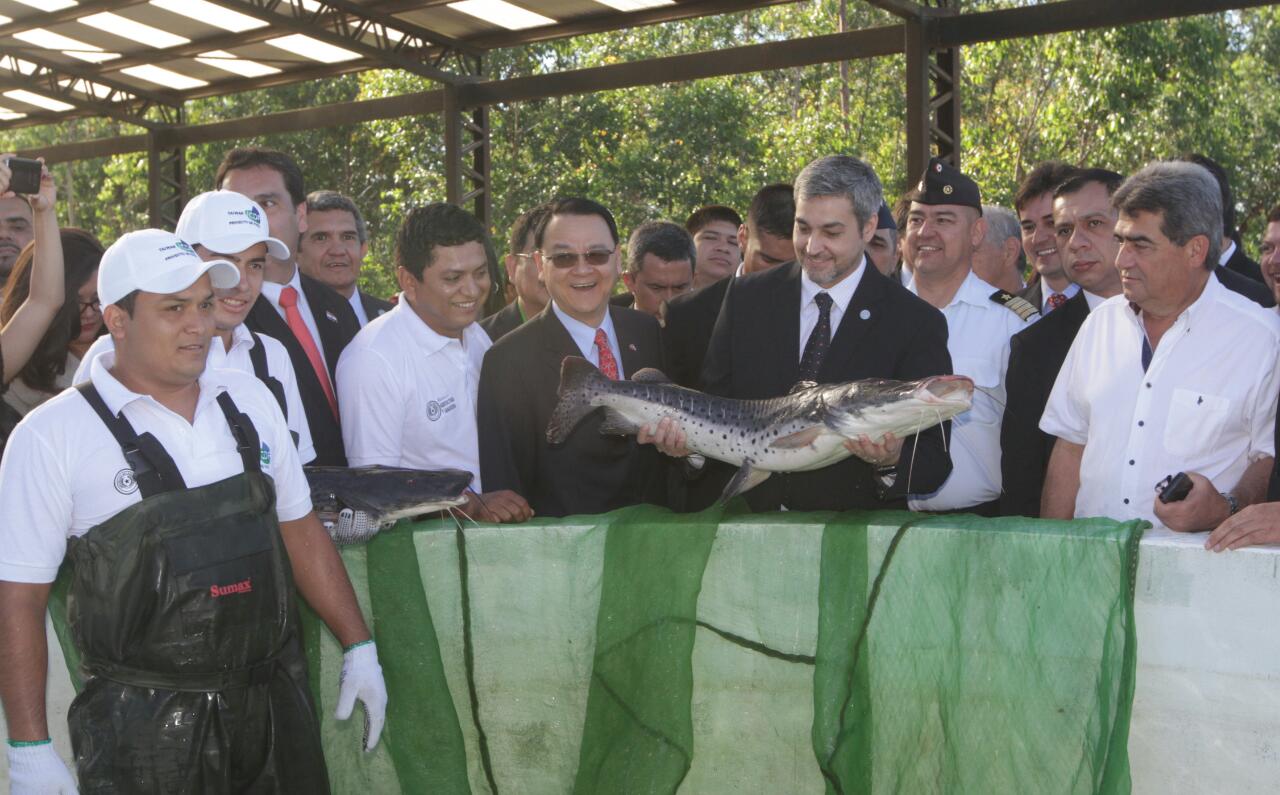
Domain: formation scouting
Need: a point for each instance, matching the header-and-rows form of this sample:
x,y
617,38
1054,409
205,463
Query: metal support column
x,y
166,174
466,146
933,94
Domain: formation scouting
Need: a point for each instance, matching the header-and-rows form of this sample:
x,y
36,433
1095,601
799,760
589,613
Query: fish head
x,y
876,407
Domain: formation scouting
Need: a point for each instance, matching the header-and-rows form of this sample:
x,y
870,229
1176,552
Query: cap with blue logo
x,y
226,222
156,261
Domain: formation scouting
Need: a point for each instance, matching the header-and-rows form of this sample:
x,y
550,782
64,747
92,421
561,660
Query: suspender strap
x,y
153,468
248,444
258,357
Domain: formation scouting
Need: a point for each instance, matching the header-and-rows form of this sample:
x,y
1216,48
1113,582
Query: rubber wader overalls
x,y
183,611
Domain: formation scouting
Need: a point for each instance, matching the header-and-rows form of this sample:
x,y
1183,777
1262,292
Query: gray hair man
x,y
1142,395
660,260
999,259
332,250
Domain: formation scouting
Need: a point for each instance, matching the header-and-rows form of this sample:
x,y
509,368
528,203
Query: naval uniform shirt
x,y
64,473
978,332
279,367
408,394
1206,404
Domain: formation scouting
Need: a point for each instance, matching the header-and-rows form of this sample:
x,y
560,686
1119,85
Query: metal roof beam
x,y
1068,15
77,72
68,14
331,26
900,8
378,17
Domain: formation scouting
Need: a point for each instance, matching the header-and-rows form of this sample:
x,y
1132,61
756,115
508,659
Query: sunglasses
x,y
568,259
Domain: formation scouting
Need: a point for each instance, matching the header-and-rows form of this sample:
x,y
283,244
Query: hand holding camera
x,y
20,176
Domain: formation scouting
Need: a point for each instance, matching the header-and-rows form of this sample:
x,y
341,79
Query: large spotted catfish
x,y
806,429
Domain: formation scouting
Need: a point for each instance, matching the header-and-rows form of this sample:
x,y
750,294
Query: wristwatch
x,y
1233,505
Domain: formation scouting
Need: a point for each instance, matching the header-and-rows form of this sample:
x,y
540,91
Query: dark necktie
x,y
1056,300
819,340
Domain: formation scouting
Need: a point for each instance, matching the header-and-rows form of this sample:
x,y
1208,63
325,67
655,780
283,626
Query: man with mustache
x,y
16,231
333,248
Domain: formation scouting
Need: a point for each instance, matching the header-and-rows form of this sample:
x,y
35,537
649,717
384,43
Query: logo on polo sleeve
x,y
265,455
125,482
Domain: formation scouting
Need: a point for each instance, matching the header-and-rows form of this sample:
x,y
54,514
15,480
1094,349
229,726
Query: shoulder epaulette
x,y
1015,304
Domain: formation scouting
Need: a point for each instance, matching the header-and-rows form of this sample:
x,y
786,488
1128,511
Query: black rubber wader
x,y
182,607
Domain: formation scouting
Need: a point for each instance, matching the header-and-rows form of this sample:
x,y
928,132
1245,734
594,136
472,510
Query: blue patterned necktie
x,y
819,340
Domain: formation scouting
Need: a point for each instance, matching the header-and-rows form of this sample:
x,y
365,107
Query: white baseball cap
x,y
226,222
156,261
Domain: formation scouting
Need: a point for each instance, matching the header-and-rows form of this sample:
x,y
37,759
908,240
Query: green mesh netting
x,y
645,652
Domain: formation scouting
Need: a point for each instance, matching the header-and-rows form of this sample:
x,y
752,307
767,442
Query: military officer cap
x,y
942,183
886,218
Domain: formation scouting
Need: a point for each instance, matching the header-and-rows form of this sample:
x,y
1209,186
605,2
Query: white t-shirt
x,y
978,333
64,473
238,358
408,395
1206,404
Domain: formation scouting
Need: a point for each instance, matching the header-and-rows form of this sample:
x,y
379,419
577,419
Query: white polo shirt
x,y
978,332
64,473
408,395
1206,404
238,358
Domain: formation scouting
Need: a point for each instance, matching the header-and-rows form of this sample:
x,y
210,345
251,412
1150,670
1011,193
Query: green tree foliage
x,y
1116,98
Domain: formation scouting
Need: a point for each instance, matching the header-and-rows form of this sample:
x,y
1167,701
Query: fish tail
x,y
577,376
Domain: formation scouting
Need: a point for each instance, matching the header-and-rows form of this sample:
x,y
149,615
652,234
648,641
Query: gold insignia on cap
x,y
946,189
937,167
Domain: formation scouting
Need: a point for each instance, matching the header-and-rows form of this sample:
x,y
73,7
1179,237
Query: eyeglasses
x,y
568,259
95,304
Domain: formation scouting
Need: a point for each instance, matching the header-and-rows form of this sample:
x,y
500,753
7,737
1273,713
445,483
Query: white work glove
x,y
362,679
38,770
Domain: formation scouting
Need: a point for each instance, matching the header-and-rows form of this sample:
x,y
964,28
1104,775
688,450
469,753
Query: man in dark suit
x,y
576,252
830,317
1049,286
1232,257
522,275
660,259
688,319
1084,221
313,322
332,250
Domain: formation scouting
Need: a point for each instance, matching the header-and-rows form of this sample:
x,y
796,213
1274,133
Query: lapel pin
x,y
865,314
632,346
332,317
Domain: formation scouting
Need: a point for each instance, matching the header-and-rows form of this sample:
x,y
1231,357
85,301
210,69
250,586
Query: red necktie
x,y
608,364
1056,300
289,303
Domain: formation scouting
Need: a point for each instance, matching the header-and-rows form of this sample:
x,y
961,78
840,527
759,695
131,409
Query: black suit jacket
x,y
590,472
1241,264
1254,291
755,351
688,321
373,307
503,322
623,299
1035,355
337,324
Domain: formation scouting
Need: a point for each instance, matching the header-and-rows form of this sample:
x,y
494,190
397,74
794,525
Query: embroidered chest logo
x,y
265,455
438,408
244,586
125,482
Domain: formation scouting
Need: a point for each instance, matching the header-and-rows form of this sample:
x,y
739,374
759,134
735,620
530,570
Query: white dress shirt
x,y
279,367
1206,404
358,307
1046,292
64,473
271,291
408,394
1094,301
841,294
584,337
978,332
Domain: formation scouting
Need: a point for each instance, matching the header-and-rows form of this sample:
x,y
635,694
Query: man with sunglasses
x,y
576,252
